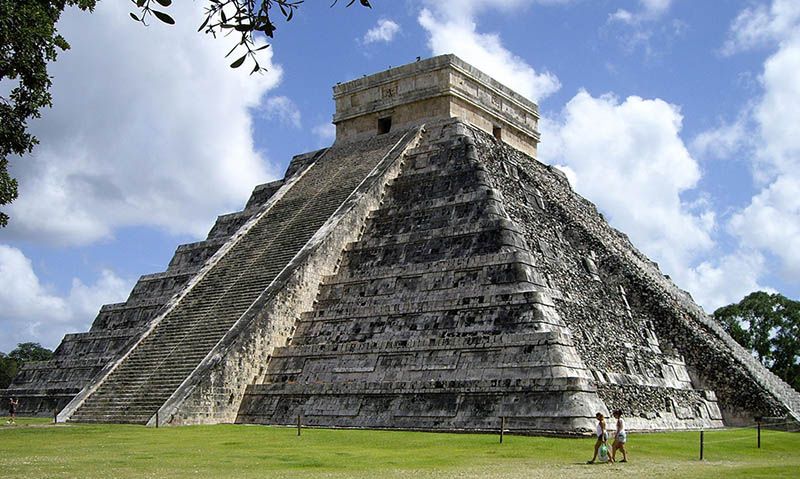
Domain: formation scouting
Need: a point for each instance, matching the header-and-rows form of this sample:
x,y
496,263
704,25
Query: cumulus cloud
x,y
765,132
452,28
31,311
149,127
384,31
628,158
284,110
762,25
777,112
771,222
721,142
725,280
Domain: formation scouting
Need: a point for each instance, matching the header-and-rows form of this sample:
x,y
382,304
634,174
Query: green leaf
x,y
164,3
239,62
164,17
135,17
140,3
205,22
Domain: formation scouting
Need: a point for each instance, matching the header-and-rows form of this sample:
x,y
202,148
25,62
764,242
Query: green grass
x,y
35,449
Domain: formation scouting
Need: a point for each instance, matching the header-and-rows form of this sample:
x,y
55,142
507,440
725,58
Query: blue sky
x,y
678,118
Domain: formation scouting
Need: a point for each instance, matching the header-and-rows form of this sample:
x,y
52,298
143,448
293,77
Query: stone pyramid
x,y
49,385
424,272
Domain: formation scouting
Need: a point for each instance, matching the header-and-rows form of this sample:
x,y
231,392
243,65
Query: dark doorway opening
x,y
384,125
497,132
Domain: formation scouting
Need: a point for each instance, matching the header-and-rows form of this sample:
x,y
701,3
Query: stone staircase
x,y
151,372
47,386
437,297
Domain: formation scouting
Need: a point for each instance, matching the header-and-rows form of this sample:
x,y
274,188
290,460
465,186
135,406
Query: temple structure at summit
x,y
424,272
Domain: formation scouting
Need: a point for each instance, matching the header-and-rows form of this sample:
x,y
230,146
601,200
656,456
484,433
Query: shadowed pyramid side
x,y
653,352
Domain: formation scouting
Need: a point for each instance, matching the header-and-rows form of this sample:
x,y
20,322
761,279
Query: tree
x,y
12,362
248,18
769,326
26,352
8,369
29,40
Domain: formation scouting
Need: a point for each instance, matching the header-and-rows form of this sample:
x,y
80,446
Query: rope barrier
x,y
764,426
733,439
761,428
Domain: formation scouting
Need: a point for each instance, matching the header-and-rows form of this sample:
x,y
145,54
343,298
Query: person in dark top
x,y
12,409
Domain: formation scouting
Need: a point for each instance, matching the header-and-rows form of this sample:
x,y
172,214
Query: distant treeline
x,y
11,363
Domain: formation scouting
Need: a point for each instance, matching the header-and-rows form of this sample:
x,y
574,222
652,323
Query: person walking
x,y
620,438
12,409
601,444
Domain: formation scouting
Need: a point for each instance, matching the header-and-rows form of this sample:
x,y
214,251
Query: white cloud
x,y
765,132
451,29
762,25
628,158
771,222
723,141
30,311
149,127
777,113
728,281
384,31
284,109
645,28
325,131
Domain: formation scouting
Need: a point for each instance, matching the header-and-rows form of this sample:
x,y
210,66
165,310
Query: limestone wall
x,y
434,89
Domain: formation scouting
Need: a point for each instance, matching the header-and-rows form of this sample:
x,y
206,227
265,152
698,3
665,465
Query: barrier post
x,y
299,425
156,419
701,445
759,434
502,427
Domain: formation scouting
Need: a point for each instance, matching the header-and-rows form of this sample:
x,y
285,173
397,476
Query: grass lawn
x,y
35,449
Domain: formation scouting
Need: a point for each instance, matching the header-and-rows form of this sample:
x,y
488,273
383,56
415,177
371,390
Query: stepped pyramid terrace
x,y
424,272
